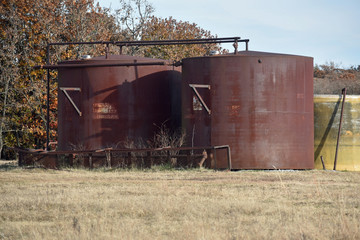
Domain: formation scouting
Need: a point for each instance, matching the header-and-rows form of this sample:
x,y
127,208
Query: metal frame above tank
x,y
120,44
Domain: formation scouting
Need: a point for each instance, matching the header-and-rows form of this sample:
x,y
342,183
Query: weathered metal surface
x,y
110,105
122,44
327,111
261,104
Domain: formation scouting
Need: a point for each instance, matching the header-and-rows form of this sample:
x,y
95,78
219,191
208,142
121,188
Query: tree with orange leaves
x,y
26,27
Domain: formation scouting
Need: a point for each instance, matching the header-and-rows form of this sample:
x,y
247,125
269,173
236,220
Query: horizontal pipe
x,y
176,42
169,43
144,43
222,146
101,65
79,43
210,40
118,150
185,40
129,150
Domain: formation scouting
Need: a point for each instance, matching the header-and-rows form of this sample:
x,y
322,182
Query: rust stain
x,y
261,105
116,103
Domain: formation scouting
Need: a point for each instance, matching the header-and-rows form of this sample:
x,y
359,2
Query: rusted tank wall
x,y
327,110
261,104
116,103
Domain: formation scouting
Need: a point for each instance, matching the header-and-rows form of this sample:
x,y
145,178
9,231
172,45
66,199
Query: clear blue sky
x,y
327,30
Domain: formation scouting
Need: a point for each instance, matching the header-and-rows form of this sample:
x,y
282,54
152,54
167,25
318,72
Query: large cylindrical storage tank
x,y
102,106
260,104
327,110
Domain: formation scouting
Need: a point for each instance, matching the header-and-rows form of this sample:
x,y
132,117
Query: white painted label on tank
x,y
104,111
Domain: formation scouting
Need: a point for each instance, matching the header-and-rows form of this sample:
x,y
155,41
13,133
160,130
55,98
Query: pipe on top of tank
x,y
235,40
102,65
121,44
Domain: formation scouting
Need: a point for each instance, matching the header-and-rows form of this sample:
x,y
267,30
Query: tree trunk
x,y
3,115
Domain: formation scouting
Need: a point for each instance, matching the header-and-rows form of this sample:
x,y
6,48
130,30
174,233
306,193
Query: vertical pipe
x,y
128,164
90,161
20,157
236,46
192,139
108,158
215,167
168,158
48,99
148,159
188,160
107,51
229,157
338,137
322,162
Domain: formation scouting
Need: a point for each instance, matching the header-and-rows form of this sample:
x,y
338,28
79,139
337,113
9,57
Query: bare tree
x,y
10,35
133,15
132,18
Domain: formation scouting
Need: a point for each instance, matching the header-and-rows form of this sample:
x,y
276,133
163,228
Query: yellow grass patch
x,y
193,204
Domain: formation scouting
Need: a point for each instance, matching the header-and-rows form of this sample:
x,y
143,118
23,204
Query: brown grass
x,y
193,204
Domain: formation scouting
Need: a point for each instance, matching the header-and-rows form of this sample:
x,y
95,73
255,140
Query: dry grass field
x,y
178,204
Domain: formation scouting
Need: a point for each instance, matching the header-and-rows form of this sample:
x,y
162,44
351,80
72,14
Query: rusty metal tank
x,y
327,109
104,101
261,104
